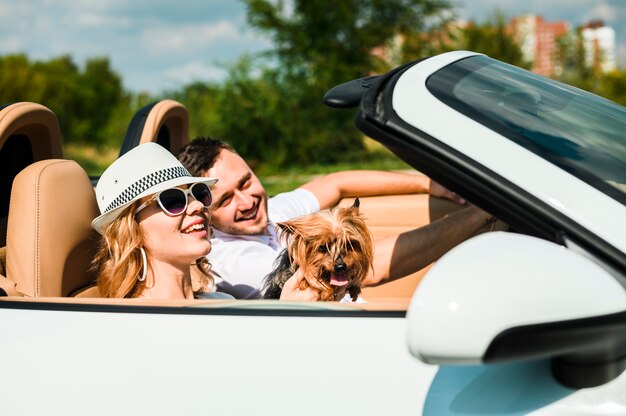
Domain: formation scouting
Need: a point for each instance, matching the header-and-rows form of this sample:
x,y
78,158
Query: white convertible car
x,y
528,319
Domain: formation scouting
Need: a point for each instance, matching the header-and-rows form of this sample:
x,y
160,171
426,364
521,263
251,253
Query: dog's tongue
x,y
338,279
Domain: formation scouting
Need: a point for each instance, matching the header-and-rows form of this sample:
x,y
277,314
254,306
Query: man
x,y
244,244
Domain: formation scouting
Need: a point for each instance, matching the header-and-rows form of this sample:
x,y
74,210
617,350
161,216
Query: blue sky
x,y
157,45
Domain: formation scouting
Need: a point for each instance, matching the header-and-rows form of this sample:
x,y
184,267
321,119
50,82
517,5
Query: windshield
x,y
580,132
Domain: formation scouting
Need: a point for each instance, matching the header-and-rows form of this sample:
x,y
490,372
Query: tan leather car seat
x,y
50,243
165,122
28,132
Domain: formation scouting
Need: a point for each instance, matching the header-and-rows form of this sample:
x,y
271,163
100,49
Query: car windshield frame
x,y
573,129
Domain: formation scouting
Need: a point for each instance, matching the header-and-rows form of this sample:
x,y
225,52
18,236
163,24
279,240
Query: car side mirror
x,y
502,297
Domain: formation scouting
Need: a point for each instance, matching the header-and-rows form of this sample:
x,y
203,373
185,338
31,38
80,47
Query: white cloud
x,y
576,11
194,71
11,43
611,14
93,20
9,11
167,39
602,11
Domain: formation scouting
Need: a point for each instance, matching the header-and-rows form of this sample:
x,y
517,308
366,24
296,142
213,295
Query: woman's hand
x,y
292,291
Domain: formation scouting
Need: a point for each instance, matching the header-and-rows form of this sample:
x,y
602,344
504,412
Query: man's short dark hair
x,y
201,153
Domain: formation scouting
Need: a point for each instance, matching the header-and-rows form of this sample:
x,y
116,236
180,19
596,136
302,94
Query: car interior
x,y
29,132
165,122
47,241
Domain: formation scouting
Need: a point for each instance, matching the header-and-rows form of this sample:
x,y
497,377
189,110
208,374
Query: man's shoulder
x,y
298,193
288,205
220,238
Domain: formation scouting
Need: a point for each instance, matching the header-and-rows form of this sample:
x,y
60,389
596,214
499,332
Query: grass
x,y
288,179
378,158
90,158
95,161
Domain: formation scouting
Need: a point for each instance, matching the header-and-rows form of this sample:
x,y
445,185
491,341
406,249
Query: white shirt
x,y
240,262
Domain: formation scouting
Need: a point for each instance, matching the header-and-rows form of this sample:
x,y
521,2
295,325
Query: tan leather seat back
x,y
50,243
165,122
28,132
393,214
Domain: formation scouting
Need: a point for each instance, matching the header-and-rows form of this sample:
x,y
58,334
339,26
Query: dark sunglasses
x,y
173,201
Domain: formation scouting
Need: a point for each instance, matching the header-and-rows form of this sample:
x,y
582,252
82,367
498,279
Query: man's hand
x,y
291,290
435,189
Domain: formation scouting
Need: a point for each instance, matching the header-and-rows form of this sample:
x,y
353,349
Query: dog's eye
x,y
354,245
322,249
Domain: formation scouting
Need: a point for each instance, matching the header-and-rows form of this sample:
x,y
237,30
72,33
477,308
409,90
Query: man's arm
x,y
331,188
400,255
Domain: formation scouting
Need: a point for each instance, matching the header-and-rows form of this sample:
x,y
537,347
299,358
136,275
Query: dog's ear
x,y
286,231
352,209
286,228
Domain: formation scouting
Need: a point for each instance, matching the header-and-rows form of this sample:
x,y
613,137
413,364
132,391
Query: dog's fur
x,y
334,250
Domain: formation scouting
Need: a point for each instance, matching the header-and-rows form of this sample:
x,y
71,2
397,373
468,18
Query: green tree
x,y
101,95
201,101
577,71
250,114
493,39
17,79
242,110
316,48
612,85
83,101
490,37
334,44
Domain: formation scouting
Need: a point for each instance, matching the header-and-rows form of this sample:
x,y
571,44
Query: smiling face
x,y
240,201
180,239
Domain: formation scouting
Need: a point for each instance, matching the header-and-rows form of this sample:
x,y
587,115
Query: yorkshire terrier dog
x,y
334,250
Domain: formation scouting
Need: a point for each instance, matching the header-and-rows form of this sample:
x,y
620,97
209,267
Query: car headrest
x,y
165,122
28,132
50,242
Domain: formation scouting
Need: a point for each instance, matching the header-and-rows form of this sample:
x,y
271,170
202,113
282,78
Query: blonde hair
x,y
119,263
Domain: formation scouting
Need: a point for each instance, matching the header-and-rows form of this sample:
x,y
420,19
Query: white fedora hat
x,y
144,170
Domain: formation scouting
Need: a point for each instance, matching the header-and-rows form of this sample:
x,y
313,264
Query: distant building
x,y
538,41
599,46
543,44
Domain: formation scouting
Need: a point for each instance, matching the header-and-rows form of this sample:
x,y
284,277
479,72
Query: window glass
x,y
580,132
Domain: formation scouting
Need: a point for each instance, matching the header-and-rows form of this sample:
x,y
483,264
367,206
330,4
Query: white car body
x,y
102,363
102,357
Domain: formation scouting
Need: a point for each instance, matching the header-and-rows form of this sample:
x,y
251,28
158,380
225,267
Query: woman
x,y
154,225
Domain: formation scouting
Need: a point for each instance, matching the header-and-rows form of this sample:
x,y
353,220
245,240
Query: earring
x,y
144,262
